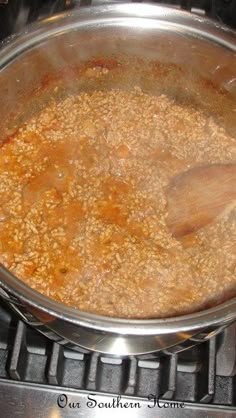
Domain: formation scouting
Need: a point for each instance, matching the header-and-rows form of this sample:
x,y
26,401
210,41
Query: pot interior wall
x,y
190,69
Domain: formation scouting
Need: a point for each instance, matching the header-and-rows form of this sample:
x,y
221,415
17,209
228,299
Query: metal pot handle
x,y
14,303
9,298
205,336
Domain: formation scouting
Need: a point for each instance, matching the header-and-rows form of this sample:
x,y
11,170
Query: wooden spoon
x,y
198,196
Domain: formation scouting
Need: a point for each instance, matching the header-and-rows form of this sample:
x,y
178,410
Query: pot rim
x,y
157,16
223,313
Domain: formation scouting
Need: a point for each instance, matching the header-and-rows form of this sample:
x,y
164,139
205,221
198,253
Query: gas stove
x,y
42,379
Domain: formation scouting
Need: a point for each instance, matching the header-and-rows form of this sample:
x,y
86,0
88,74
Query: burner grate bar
x,y
91,381
18,357
211,371
55,365
132,377
212,368
169,394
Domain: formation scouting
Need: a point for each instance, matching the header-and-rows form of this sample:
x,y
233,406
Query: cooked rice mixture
x,y
83,206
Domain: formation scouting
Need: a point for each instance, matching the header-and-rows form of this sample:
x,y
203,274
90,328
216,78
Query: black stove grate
x,y
206,373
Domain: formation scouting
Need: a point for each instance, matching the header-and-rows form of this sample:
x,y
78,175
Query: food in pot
x,y
83,206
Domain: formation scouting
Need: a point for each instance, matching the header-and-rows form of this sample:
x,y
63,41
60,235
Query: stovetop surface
x,y
35,371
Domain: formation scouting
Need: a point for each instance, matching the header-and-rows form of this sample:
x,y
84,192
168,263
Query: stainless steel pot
x,y
162,50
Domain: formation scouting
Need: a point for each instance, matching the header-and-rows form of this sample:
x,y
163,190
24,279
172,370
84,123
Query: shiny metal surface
x,y
206,48
28,400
